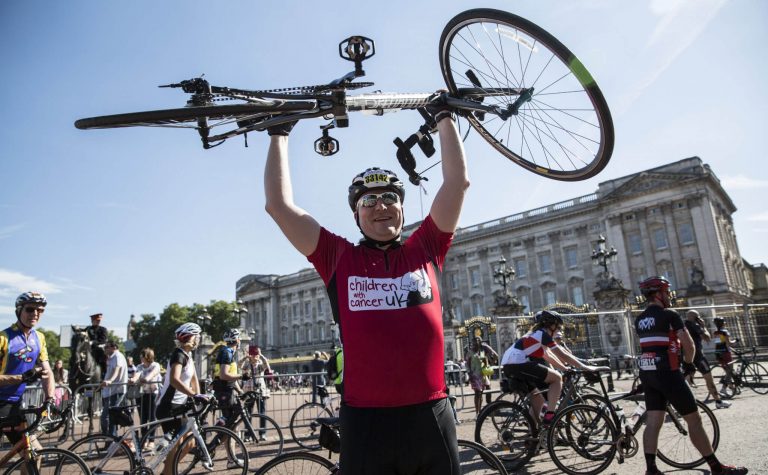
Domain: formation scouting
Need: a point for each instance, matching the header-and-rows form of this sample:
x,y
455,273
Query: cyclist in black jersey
x,y
695,326
661,332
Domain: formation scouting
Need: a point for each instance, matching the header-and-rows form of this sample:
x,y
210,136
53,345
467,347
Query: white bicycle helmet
x,y
374,178
231,335
187,331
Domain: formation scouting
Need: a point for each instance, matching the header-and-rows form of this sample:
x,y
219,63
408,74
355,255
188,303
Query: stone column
x,y
615,328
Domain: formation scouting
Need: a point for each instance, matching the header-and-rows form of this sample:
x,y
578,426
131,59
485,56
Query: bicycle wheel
x,y
298,463
474,459
53,462
756,378
228,453
509,432
675,447
563,128
187,117
265,442
582,440
304,427
93,450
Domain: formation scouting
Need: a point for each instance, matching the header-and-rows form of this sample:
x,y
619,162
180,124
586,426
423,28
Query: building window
x,y
477,305
571,257
454,278
660,238
521,268
296,335
295,309
474,277
307,308
577,295
635,243
549,296
665,268
545,262
525,301
629,217
458,311
284,336
321,330
685,231
307,333
320,308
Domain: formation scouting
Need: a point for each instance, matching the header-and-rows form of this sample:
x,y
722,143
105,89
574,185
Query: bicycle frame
x,y
190,426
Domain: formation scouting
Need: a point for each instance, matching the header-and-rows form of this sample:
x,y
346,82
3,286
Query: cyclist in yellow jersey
x,y
23,359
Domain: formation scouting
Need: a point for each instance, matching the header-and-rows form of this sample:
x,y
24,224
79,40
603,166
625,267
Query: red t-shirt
x,y
388,307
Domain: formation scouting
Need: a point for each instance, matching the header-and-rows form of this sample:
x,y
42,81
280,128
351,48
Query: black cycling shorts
x,y
165,411
701,363
532,372
10,414
667,386
409,440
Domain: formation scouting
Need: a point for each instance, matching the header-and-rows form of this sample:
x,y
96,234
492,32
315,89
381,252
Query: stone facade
x,y
670,220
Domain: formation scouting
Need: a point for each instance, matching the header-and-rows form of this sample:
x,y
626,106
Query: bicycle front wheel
x,y
298,463
262,437
93,449
52,462
582,440
508,431
474,459
756,378
304,427
559,124
227,454
675,446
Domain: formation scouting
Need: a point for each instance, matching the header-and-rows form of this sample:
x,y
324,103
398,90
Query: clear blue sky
x,y
128,221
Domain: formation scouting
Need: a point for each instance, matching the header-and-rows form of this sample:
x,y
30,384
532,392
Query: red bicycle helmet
x,y
654,284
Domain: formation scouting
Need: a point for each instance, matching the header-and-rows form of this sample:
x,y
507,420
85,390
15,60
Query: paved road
x,y
743,439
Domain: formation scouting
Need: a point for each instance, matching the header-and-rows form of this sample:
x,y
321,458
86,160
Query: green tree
x,y
158,332
55,351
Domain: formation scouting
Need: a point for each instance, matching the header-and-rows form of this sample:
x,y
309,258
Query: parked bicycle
x,y
197,449
749,373
474,459
39,461
521,89
304,425
585,438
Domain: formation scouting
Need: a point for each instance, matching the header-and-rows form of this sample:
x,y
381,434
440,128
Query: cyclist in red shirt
x,y
662,333
384,294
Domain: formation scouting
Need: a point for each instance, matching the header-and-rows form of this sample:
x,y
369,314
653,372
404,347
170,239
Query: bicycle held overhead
x,y
521,89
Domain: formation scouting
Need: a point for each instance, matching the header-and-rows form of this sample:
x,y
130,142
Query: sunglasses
x,y
388,198
34,309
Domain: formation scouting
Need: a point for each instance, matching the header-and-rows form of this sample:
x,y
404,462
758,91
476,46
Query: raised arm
x,y
297,225
446,206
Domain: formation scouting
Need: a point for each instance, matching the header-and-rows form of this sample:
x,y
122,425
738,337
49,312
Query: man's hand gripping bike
x,y
523,91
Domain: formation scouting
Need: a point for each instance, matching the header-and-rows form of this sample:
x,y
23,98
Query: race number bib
x,y
648,362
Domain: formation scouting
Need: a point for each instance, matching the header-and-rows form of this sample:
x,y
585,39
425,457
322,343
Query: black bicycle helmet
x,y
548,317
29,297
653,284
719,321
374,178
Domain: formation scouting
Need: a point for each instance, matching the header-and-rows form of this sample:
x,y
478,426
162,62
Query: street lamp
x,y
203,318
602,255
502,274
239,311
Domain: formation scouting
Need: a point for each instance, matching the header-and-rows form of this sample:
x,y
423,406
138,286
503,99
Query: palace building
x,y
674,220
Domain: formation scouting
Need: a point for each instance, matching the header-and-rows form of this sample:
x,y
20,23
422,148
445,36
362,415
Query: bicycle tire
x,y
755,377
298,463
589,444
568,120
259,451
93,449
474,459
53,461
188,116
232,459
675,447
509,432
304,427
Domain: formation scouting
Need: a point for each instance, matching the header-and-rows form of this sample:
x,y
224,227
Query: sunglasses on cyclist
x,y
388,198
34,309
